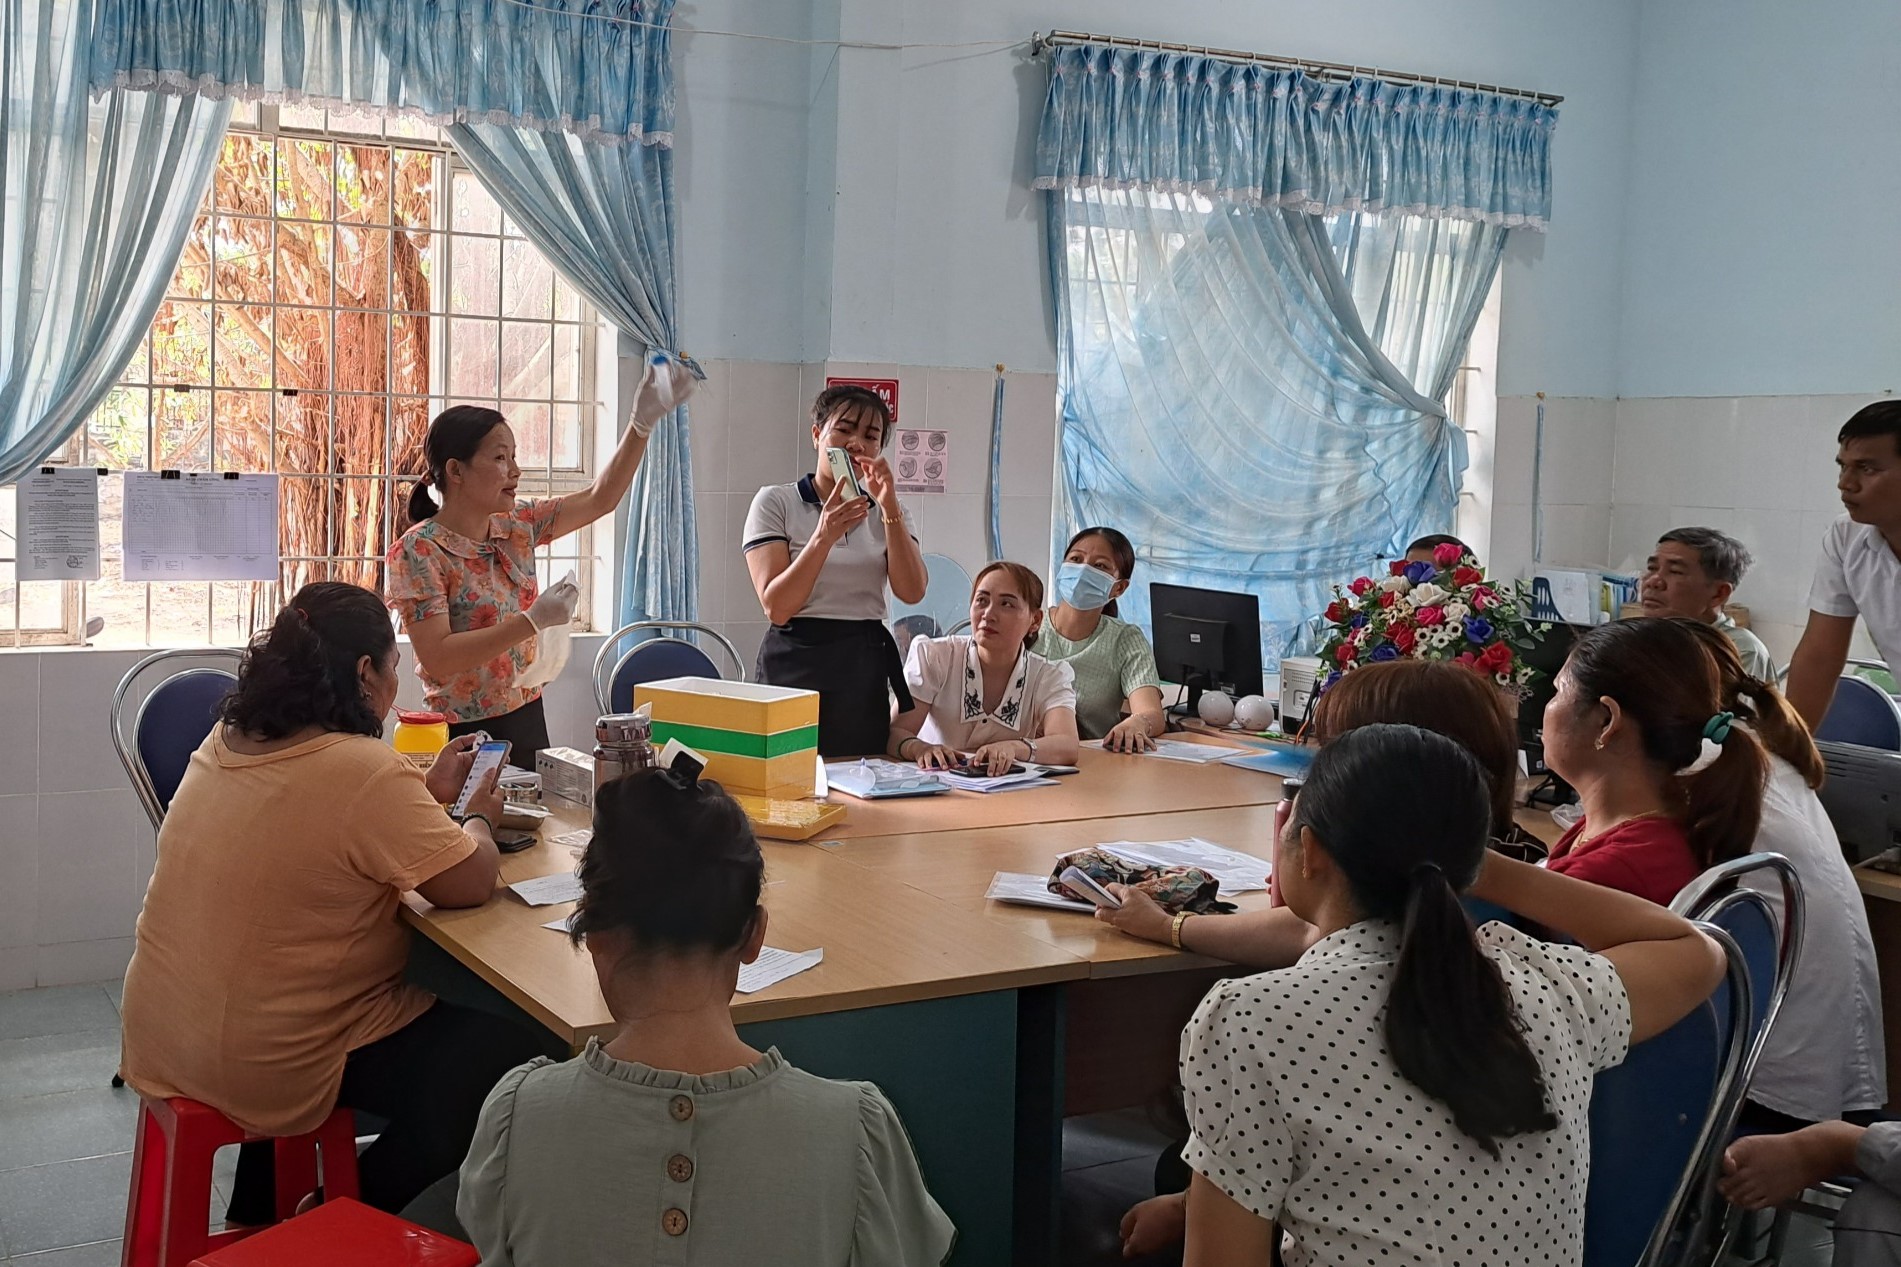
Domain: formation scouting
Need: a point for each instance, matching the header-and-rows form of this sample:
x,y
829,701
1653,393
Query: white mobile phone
x,y
492,754
1077,881
845,471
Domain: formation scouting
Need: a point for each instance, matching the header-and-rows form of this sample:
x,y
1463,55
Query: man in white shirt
x,y
1692,573
1860,570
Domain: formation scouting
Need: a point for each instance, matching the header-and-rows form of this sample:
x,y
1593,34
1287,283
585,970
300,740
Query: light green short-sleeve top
x,y
1757,662
596,1162
1110,665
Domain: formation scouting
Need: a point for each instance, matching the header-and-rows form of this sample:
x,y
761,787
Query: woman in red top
x,y
1668,786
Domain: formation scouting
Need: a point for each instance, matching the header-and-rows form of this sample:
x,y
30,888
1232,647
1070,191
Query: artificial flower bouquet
x,y
1442,610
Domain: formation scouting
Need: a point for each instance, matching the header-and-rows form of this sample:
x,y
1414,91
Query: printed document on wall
x,y
200,527
58,517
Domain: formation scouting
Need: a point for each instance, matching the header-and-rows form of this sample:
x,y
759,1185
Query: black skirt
x,y
854,667
525,729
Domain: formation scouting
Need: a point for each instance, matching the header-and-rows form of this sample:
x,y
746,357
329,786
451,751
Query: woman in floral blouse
x,y
462,580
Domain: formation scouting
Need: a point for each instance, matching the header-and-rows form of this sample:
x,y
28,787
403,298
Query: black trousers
x,y
853,665
526,730
427,1081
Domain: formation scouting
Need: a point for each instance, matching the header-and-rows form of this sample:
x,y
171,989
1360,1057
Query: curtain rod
x,y
1320,70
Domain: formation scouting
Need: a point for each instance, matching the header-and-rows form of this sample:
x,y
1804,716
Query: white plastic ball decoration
x,y
1216,708
1253,712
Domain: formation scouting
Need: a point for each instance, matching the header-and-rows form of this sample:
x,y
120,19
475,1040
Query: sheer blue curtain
x,y
603,215
563,108
99,196
1264,286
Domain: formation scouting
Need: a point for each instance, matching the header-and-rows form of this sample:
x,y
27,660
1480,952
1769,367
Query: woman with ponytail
x,y
1412,1090
462,579
1642,727
1118,693
1825,1057
267,975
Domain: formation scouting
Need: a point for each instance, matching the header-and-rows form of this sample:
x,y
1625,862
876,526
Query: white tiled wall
x,y
1761,468
1574,482
76,849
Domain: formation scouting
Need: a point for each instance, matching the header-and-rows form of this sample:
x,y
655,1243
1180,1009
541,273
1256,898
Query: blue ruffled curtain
x,y
563,108
1264,285
596,68
99,196
603,215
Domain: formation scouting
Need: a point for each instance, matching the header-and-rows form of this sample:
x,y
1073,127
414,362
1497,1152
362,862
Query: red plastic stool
x,y
344,1232
167,1209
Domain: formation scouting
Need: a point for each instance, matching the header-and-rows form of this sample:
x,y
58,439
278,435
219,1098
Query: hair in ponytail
x,y
302,671
1450,1023
454,436
1661,673
1029,589
1119,548
1779,728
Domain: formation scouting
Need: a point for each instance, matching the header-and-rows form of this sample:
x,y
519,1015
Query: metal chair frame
x,y
603,686
126,743
1706,899
1726,1096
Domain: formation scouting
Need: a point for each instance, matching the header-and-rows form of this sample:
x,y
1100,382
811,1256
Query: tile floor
x,y
66,1140
65,1134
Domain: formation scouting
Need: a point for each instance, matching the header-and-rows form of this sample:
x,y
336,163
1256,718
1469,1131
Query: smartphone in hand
x,y
845,471
490,755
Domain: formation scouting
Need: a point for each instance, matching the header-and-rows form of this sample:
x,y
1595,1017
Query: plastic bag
x,y
552,646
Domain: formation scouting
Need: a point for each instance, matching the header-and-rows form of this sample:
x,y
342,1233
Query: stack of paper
x,y
1021,777
546,890
774,966
1183,750
1235,872
1030,890
873,779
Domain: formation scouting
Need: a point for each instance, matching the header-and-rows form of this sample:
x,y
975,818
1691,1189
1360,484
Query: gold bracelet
x,y
892,519
1175,929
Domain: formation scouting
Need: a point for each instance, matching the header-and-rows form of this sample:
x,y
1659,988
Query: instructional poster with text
x,y
200,527
58,512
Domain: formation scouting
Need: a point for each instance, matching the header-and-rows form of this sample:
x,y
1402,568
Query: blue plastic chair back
x,y
173,721
1745,916
1654,1121
1862,713
651,661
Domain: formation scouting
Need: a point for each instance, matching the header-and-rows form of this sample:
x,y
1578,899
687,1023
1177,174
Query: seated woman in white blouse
x,y
1412,1091
985,699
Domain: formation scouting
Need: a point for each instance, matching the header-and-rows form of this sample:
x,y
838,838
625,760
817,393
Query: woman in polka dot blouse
x,y
1411,1091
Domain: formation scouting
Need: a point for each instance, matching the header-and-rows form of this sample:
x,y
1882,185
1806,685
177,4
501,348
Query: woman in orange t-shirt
x,y
1669,786
267,978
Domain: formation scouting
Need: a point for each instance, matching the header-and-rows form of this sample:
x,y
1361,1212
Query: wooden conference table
x,y
985,1023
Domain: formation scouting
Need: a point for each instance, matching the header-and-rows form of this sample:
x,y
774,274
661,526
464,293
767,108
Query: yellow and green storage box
x,y
757,740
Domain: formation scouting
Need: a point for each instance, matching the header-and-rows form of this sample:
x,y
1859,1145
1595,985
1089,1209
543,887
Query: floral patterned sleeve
x,y
416,585
539,516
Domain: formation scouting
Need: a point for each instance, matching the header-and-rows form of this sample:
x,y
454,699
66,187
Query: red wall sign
x,y
887,389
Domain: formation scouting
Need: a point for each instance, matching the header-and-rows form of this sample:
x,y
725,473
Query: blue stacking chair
x,y
1862,713
1656,1121
1771,946
155,744
654,657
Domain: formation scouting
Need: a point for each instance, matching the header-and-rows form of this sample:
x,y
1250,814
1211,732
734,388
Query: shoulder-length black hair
x,y
1450,1023
302,671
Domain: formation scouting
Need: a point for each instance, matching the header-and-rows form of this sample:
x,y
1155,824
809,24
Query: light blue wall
x,y
935,236
1763,244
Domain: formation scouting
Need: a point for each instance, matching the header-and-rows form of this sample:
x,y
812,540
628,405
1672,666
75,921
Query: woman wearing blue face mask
x,y
1113,662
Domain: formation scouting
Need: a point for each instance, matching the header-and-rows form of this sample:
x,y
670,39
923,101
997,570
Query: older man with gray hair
x,y
1693,572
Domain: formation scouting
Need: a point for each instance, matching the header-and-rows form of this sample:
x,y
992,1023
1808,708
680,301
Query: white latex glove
x,y
664,384
555,606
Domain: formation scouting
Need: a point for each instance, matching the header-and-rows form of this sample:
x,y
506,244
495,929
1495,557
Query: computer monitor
x,y
1862,795
1207,639
1547,657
